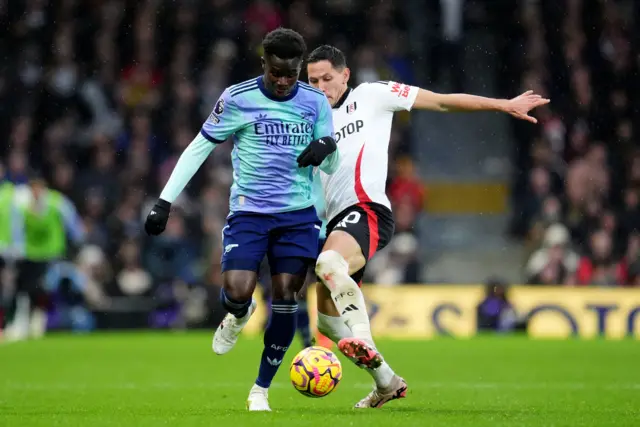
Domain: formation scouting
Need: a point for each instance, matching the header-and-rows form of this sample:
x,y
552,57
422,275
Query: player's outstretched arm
x,y
225,119
518,107
188,164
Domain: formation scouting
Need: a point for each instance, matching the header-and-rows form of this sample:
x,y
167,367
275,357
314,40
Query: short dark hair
x,y
284,43
328,53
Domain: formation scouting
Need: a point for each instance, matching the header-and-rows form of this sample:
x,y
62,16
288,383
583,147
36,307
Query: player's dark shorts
x,y
321,242
289,240
371,224
264,275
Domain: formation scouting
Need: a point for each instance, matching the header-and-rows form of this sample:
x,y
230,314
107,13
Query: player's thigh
x,y
293,248
312,278
293,242
349,235
245,241
264,279
347,246
358,233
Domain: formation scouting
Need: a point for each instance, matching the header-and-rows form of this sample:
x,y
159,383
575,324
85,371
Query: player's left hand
x,y
317,151
157,219
520,106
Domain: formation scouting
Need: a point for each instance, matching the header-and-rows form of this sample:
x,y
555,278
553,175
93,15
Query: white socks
x,y
333,271
336,329
382,376
333,328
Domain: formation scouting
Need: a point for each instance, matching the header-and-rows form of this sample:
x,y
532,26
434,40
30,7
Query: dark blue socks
x,y
303,323
237,308
277,339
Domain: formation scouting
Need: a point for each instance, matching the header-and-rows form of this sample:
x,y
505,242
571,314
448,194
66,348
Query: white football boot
x,y
378,397
258,399
38,324
227,333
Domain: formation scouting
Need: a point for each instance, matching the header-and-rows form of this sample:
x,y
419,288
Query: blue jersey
x,y
269,134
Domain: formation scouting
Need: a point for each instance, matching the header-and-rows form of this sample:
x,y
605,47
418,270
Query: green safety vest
x,y
44,232
6,204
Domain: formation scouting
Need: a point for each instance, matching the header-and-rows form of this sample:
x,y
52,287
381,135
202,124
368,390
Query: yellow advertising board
x,y
427,311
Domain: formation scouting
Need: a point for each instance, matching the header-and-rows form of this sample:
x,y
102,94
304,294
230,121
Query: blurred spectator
x,y
599,267
584,156
448,49
554,263
130,278
66,285
495,312
405,186
396,264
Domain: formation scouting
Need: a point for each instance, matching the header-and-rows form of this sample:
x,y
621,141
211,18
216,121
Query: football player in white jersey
x,y
360,221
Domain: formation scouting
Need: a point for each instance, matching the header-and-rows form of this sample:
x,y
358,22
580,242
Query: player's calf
x,y
277,339
287,280
333,271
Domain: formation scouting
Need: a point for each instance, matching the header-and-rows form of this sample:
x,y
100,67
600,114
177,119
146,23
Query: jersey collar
x,y
268,94
343,98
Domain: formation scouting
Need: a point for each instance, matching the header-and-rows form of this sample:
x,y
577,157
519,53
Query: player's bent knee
x,y
239,285
286,286
329,264
242,293
284,293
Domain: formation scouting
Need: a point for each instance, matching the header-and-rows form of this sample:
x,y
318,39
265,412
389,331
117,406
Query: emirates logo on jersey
x,y
351,108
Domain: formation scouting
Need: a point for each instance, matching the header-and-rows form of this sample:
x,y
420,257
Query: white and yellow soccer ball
x,y
315,371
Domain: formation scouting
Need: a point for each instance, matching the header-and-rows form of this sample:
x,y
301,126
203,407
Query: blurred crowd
x,y
577,189
102,96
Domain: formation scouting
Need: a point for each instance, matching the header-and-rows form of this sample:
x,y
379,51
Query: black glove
x,y
157,219
317,151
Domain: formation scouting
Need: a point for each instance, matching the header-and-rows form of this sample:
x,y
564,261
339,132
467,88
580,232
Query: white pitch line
x,y
217,385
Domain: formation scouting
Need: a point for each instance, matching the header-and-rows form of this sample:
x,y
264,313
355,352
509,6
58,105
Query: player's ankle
x,y
383,376
259,388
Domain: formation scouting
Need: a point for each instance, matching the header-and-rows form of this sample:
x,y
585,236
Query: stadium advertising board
x,y
422,312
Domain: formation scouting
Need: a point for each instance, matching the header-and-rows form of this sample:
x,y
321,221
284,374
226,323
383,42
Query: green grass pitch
x,y
173,379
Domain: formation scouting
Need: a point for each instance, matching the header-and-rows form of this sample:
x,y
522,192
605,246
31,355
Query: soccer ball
x,y
315,371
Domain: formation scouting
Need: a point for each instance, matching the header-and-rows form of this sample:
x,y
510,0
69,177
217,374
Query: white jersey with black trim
x,y
362,121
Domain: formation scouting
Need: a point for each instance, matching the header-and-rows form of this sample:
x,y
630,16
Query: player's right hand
x,y
317,150
157,219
